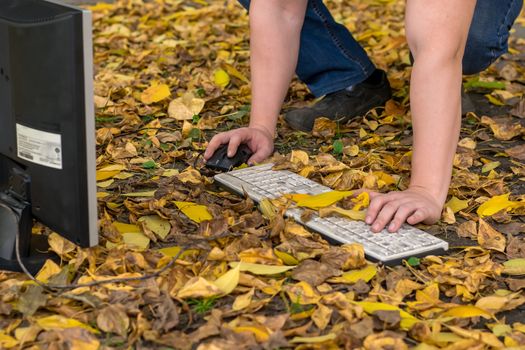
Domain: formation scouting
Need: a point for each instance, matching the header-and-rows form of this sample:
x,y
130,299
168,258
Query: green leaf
x,y
150,164
477,84
338,147
413,261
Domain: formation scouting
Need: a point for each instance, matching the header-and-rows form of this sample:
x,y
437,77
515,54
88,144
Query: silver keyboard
x,y
389,248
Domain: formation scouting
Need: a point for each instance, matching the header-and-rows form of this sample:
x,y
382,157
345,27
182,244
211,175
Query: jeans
x,y
330,59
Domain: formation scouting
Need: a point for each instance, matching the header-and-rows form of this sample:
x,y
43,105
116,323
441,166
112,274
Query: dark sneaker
x,y
345,104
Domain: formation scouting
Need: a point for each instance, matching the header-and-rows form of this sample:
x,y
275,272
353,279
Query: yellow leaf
x,y
407,320
195,212
487,338
171,252
243,300
59,244
494,100
123,228
260,269
227,282
514,267
495,204
49,269
323,200
490,166
155,93
457,204
198,287
136,240
185,107
319,339
286,258
140,194
56,321
221,78
365,274
104,175
104,184
159,226
235,73
466,311
6,341
302,293
322,316
260,333
296,197
349,213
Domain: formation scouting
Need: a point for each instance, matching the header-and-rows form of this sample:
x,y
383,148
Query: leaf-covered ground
x,y
171,73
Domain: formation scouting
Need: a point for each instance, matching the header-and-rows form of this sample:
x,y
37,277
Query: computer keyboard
x,y
261,182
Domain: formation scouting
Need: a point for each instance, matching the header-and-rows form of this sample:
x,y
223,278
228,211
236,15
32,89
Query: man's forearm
x,y
274,41
436,112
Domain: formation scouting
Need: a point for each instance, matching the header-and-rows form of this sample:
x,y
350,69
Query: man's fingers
x,y
402,212
234,143
384,216
375,206
418,216
215,143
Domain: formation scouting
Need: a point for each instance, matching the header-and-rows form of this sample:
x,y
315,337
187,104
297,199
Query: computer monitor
x,y
47,134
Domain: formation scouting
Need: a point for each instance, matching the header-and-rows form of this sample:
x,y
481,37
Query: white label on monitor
x,y
40,147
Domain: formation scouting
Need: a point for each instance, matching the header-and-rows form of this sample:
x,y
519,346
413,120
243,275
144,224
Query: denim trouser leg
x,y
489,33
330,59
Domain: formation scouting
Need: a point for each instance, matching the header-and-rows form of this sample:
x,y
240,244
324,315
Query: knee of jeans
x,y
245,3
478,56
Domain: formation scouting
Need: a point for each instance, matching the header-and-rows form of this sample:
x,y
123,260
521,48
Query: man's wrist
x,y
438,195
267,130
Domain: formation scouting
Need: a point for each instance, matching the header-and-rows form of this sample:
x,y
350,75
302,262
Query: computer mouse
x,y
221,162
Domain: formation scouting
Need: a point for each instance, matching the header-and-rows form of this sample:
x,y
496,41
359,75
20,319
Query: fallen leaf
x,y
323,200
517,152
260,269
113,319
489,238
159,226
365,274
227,282
195,212
497,203
221,78
54,322
185,107
514,267
466,311
155,93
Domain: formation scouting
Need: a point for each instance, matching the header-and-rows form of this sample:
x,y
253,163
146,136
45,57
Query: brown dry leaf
x,y
516,247
517,152
198,287
504,128
324,128
185,107
489,238
468,229
313,272
113,319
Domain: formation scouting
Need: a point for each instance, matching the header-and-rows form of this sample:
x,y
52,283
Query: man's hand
x,y
258,139
392,209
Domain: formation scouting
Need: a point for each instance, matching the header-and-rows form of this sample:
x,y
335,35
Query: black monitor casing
x,y
46,114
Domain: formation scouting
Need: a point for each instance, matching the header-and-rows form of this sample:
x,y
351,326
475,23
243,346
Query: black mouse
x,y
221,162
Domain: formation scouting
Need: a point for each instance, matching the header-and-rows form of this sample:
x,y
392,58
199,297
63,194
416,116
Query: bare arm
x,y
275,27
437,31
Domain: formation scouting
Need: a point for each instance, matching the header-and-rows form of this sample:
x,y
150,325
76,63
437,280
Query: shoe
x,y
345,104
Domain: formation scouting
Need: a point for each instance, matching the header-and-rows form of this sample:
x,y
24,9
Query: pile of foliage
x,y
183,264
